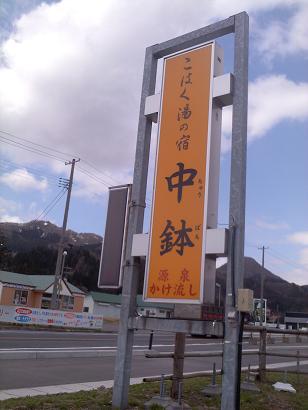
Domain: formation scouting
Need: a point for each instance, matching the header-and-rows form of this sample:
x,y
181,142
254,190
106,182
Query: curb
x,y
35,355
58,389
54,329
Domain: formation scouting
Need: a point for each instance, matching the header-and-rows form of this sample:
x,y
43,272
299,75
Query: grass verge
x,y
268,399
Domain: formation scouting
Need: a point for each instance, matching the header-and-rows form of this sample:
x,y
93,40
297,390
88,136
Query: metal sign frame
x,y
239,25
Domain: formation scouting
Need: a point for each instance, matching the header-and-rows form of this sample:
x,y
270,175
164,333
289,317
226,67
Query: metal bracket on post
x,y
217,243
222,93
223,89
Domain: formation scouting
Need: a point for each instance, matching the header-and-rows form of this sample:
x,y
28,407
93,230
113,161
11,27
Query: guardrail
x,y
262,352
250,328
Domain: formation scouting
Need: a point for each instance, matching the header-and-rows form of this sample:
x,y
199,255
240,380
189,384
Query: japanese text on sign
x,y
175,261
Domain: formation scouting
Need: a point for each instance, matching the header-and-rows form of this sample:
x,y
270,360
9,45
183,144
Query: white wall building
x,y
109,306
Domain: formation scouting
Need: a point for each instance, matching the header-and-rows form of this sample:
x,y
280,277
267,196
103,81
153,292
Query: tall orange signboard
x,y
176,255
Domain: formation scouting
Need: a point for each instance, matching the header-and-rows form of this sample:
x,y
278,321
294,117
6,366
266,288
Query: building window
x,y
46,301
86,309
67,302
20,297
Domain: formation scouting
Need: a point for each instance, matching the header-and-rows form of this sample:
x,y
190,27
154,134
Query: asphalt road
x,y
44,372
23,339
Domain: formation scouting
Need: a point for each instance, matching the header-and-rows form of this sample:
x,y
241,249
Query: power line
x,y
51,205
148,201
33,150
34,171
46,154
277,255
93,176
99,171
22,175
47,209
43,152
97,179
39,145
288,261
60,152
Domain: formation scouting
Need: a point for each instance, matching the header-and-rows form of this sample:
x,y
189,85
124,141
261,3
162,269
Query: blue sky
x,y
70,80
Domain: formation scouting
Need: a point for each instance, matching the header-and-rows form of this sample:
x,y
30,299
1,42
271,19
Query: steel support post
x,y
135,225
262,355
232,343
178,363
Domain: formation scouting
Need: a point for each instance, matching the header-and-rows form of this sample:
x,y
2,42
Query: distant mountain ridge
x,y
27,236
282,295
33,247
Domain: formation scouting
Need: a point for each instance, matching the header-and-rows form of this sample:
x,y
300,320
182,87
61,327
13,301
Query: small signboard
x,y
113,250
257,311
176,256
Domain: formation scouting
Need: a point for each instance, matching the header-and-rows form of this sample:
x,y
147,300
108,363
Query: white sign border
x,y
199,301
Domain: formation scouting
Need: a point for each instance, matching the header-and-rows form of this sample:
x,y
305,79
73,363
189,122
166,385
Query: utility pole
x,y
56,284
262,287
61,277
218,285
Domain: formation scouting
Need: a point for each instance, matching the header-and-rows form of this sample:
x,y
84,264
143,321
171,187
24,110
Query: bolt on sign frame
x,y
239,25
177,246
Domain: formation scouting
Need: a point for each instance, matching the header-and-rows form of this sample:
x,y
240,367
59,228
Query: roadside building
x,y
35,291
109,306
296,320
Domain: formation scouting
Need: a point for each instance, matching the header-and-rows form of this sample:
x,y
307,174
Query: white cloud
x,y
8,210
303,258
21,180
7,207
271,226
300,270
300,238
10,218
293,270
226,127
73,72
273,99
297,275
19,212
267,108
85,186
285,37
